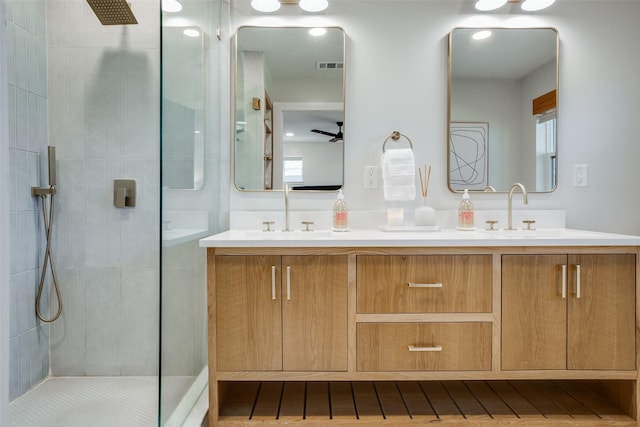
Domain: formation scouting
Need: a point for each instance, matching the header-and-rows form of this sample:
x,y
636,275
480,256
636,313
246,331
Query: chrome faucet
x,y
287,188
509,209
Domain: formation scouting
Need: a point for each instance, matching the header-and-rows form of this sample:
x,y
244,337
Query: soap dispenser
x,y
465,213
340,214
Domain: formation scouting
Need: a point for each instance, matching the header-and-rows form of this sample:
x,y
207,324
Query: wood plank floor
x,y
451,403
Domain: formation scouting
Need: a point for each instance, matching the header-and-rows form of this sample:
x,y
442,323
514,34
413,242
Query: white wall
x,y
396,80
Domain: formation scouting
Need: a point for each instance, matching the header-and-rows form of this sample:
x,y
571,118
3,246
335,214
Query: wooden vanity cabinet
x,y
568,312
281,313
459,336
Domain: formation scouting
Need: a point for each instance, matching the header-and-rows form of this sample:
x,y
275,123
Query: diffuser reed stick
x,y
424,180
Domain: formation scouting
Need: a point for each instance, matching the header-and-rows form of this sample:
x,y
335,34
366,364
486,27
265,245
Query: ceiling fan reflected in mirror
x,y
336,137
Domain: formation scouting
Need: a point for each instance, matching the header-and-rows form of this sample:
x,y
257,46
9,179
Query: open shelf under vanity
x,y
373,403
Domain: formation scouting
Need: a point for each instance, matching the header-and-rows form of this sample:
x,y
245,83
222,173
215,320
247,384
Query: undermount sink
x,y
534,233
295,235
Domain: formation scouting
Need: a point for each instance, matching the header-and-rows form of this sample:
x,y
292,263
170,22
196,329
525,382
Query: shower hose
x,y
48,259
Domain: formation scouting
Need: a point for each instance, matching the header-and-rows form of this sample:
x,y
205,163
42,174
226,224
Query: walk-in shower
x,y
128,345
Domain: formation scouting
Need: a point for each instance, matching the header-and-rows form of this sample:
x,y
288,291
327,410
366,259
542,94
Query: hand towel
x,y
398,174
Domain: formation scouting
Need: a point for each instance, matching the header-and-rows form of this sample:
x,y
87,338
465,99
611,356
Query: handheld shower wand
x,y
48,222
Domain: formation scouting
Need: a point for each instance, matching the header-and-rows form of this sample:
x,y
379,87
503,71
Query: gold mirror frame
x,y
274,109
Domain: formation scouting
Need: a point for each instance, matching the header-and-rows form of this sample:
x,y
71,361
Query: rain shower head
x,y
113,12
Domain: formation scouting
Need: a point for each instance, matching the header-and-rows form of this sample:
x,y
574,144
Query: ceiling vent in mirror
x,y
329,65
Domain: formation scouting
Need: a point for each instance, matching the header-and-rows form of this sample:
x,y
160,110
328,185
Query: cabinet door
x,y
248,323
534,312
314,313
601,330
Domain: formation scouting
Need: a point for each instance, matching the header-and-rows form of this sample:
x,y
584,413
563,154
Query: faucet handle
x,y
529,222
491,223
268,225
306,225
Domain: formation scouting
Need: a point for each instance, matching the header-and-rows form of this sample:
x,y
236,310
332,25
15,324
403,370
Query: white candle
x,y
395,216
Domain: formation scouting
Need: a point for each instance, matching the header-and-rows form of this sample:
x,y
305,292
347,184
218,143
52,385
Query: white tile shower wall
x,y
27,114
103,89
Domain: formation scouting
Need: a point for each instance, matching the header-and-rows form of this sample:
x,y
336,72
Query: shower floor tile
x,y
88,401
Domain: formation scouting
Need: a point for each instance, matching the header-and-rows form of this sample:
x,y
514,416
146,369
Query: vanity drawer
x,y
424,346
424,283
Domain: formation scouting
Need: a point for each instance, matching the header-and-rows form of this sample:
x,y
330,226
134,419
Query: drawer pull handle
x,y
273,282
425,285
578,285
564,281
288,282
416,348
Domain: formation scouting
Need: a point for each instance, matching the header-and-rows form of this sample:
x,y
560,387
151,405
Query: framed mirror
x,y
288,108
502,109
182,108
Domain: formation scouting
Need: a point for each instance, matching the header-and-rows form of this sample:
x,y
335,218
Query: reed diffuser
x,y
425,215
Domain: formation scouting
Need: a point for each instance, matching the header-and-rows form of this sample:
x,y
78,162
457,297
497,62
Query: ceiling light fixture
x,y
273,5
481,35
319,31
265,5
527,5
190,32
533,5
486,5
313,5
171,6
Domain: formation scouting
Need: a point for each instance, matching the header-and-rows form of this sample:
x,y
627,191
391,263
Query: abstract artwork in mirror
x,y
289,109
468,156
182,108
507,83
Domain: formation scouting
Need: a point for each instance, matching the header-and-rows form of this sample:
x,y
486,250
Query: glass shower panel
x,y
188,199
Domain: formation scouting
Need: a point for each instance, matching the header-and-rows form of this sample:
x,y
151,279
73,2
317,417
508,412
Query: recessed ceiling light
x,y
481,35
533,5
485,5
265,5
317,31
190,32
171,6
313,5
288,134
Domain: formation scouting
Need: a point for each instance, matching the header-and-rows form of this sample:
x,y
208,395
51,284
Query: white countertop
x,y
444,238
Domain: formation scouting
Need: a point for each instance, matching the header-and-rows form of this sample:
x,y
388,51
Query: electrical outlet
x,y
580,175
371,177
